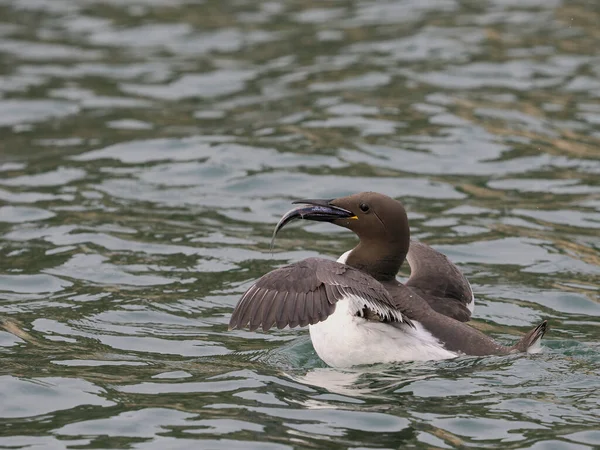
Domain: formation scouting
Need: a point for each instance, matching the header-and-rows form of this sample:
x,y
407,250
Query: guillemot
x,y
357,311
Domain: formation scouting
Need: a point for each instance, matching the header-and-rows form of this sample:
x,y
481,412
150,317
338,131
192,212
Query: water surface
x,y
147,148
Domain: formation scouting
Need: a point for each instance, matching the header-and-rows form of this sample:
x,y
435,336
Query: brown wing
x,y
435,278
306,293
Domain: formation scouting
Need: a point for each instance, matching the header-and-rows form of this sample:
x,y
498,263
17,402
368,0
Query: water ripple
x,y
149,147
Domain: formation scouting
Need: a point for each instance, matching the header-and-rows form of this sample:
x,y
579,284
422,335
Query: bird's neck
x,y
381,260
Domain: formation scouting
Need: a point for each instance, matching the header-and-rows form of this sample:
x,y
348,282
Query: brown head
x,y
379,221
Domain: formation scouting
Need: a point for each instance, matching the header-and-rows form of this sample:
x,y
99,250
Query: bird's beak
x,y
316,210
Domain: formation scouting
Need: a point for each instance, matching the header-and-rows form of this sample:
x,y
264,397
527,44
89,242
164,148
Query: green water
x,y
148,147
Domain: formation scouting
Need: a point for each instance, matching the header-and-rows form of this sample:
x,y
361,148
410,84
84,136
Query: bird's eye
x,y
364,207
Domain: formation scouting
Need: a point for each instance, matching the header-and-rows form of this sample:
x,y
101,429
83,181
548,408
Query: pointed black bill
x,y
312,209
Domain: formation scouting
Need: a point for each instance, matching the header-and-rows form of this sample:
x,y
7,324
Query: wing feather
x,y
245,305
304,307
307,292
270,315
257,312
262,317
292,318
282,314
440,282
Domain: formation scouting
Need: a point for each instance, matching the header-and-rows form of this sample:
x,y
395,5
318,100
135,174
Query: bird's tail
x,y
530,343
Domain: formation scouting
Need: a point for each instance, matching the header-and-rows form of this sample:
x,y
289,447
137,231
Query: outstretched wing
x,y
306,293
435,278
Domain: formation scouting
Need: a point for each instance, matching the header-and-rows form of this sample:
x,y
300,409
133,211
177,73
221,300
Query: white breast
x,y
345,340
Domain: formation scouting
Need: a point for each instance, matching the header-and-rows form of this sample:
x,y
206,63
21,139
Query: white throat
x,y
342,259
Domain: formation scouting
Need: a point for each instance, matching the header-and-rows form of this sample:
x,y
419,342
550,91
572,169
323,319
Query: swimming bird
x,y
357,311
